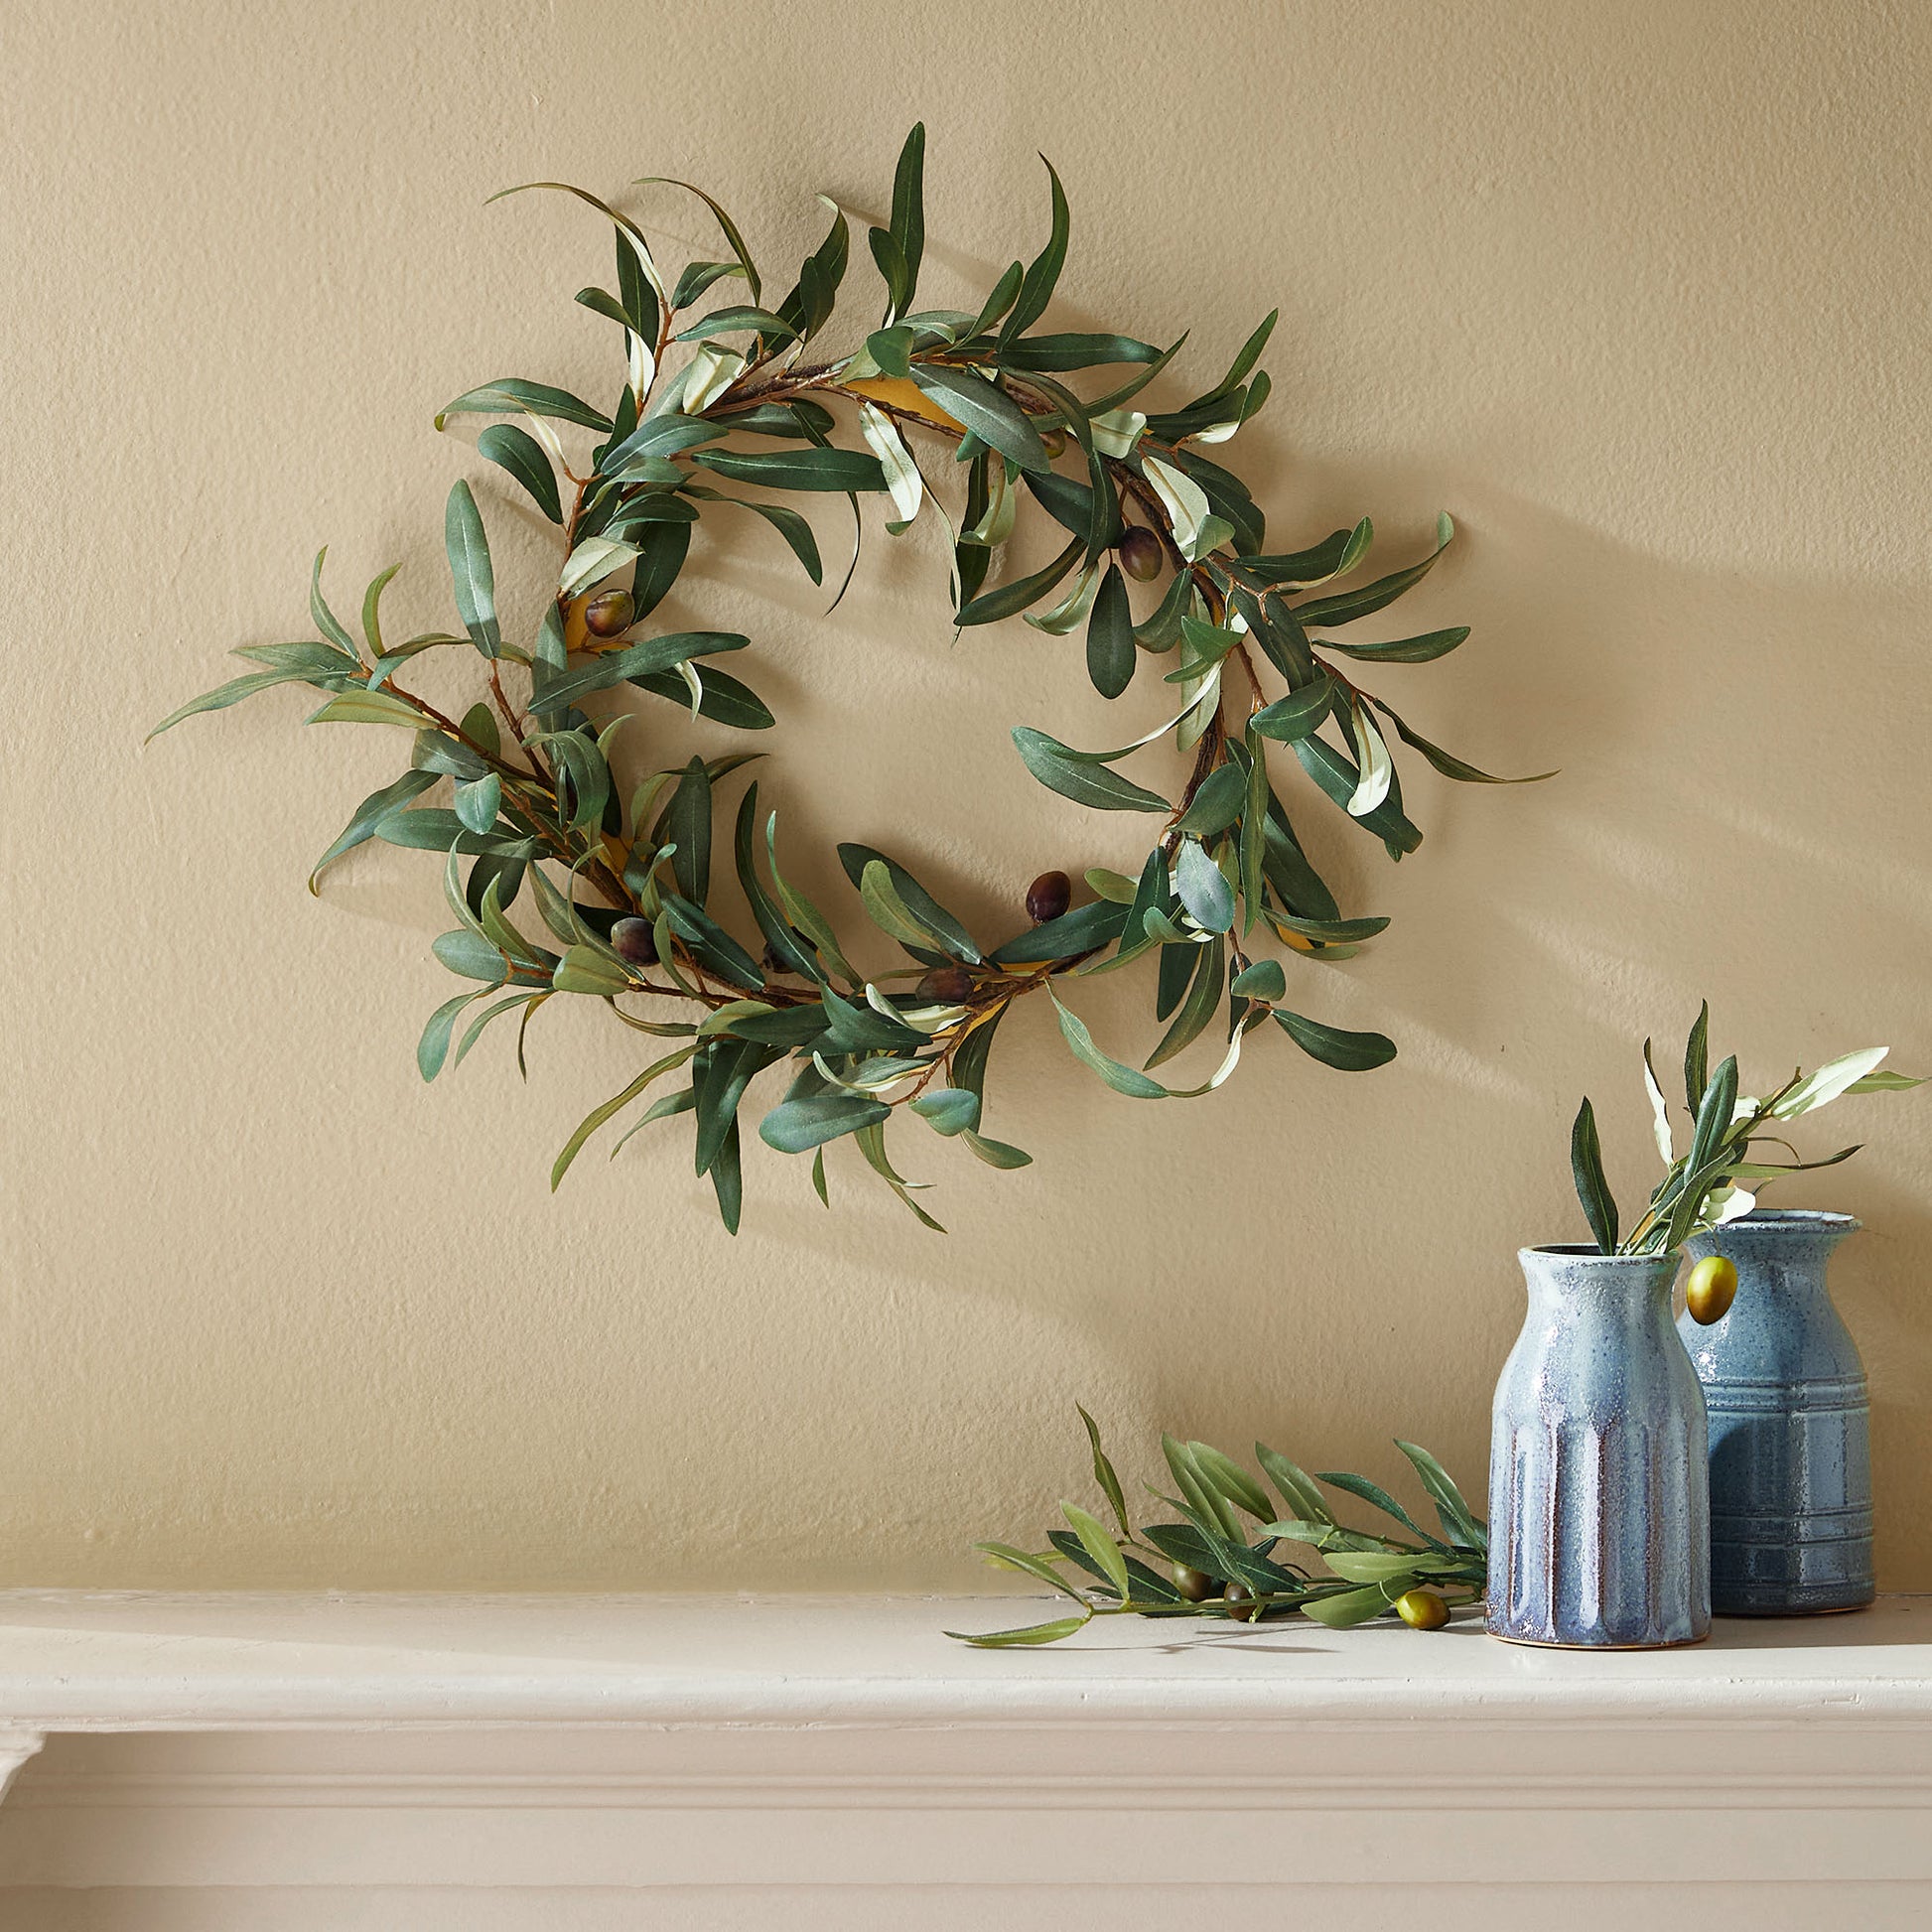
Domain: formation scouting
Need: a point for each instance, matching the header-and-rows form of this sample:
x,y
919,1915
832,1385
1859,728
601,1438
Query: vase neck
x,y
1631,1290
1785,1251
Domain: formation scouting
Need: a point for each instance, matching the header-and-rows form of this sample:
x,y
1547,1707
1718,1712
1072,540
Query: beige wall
x,y
1640,292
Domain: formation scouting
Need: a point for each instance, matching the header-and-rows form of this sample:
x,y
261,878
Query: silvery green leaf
x,y
931,1020
1732,1205
1083,779
1832,1079
1033,1633
1217,802
1202,887
477,802
1348,1607
890,913
984,409
1185,504
470,569
1377,770
593,560
1659,1109
1264,980
1098,1545
518,451
1072,608
366,707
727,227
1336,1047
948,1110
1116,887
1369,1566
996,1153
1123,1079
902,477
512,396
470,957
1346,606
232,693
580,970
1116,431
434,1046
1885,1083
712,371
616,1104
693,683
1001,502
794,1126
1592,1189
1205,702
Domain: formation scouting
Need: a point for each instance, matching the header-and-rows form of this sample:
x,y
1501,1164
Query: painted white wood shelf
x,y
196,1763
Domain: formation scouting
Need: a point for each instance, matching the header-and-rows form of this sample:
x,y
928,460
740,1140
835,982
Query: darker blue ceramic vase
x,y
1600,1533
1790,1442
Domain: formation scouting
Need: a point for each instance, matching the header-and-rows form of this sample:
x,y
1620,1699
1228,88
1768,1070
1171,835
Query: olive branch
x,y
1221,1558
1719,1176
625,886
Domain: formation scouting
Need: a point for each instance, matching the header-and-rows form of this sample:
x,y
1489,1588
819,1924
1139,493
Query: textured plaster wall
x,y
1639,291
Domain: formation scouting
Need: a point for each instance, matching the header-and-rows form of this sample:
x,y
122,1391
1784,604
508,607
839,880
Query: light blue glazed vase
x,y
1791,1424
1599,1534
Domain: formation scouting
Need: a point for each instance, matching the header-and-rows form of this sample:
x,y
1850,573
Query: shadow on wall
x,y
1721,826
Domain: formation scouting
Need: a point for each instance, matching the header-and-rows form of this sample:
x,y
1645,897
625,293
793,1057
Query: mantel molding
x,y
820,1761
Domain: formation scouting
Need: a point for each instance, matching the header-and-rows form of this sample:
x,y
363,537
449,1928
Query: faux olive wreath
x,y
534,787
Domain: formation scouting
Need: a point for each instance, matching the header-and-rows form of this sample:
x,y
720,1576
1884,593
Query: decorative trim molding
x,y
773,1761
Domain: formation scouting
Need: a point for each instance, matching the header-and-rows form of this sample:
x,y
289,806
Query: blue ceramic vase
x,y
1790,1430
1599,1534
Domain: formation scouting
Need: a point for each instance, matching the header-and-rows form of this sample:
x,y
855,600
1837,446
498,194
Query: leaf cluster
x,y
1720,1174
1225,1552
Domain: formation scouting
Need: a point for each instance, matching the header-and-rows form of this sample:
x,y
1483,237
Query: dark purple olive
x,y
1140,555
1241,1603
608,613
1048,897
633,942
1195,1585
948,983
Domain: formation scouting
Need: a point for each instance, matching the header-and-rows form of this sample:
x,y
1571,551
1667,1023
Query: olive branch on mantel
x,y
625,885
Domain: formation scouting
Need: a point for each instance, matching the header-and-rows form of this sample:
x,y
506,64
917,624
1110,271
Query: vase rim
x,y
1582,1251
1778,1220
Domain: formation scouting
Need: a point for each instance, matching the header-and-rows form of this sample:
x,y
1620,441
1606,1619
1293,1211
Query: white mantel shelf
x,y
75,1661
228,1763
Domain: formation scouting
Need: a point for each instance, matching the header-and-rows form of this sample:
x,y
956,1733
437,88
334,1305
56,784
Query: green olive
x,y
1711,1289
1195,1585
1241,1603
1053,441
1421,1609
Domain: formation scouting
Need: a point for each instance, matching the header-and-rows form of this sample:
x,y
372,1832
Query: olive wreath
x,y
533,785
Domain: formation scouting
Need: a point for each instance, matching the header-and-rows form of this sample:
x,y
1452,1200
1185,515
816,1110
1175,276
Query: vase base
x,y
1554,1643
1755,1611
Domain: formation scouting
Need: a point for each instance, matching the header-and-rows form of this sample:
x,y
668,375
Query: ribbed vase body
x,y
1599,1530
